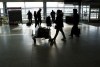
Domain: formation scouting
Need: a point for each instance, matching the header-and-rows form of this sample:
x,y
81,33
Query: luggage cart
x,y
42,32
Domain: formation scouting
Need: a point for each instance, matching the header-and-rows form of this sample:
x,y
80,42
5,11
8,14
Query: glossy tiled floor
x,y
17,48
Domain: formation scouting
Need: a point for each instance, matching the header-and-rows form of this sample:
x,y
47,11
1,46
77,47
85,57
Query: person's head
x,y
58,11
34,11
28,10
48,16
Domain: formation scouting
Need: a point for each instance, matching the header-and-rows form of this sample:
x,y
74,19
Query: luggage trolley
x,y
42,32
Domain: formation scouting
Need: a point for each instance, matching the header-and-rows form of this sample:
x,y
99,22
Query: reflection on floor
x,y
17,48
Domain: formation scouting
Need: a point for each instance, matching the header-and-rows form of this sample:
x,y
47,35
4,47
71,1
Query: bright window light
x,y
1,5
15,4
34,4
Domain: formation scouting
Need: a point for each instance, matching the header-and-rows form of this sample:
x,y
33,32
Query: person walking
x,y
29,16
53,16
59,25
39,16
75,30
35,17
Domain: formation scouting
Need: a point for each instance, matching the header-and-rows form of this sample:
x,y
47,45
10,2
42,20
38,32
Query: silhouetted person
x,y
35,17
53,16
39,16
75,29
59,25
48,21
29,16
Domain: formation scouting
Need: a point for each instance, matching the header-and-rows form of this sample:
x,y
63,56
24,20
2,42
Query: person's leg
x,y
72,32
57,31
77,32
28,20
40,21
37,21
64,37
53,19
35,24
31,20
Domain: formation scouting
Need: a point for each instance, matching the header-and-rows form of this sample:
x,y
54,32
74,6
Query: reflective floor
x,y
17,48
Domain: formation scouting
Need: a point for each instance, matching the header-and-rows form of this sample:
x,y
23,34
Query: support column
x,y
79,10
89,13
82,11
0,12
99,15
44,9
4,9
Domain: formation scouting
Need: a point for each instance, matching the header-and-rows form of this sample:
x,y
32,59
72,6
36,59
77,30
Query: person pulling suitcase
x,y
75,30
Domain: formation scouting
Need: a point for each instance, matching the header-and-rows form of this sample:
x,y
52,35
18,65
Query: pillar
x,y
99,14
89,13
44,9
0,12
4,8
79,9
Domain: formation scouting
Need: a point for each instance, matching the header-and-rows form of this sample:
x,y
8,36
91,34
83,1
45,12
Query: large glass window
x,y
17,4
66,8
85,12
32,6
1,8
94,13
69,9
55,6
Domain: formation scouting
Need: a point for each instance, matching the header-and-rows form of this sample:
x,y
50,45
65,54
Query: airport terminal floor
x,y
17,48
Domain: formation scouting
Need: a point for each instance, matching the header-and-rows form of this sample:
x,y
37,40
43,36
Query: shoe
x,y
51,42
